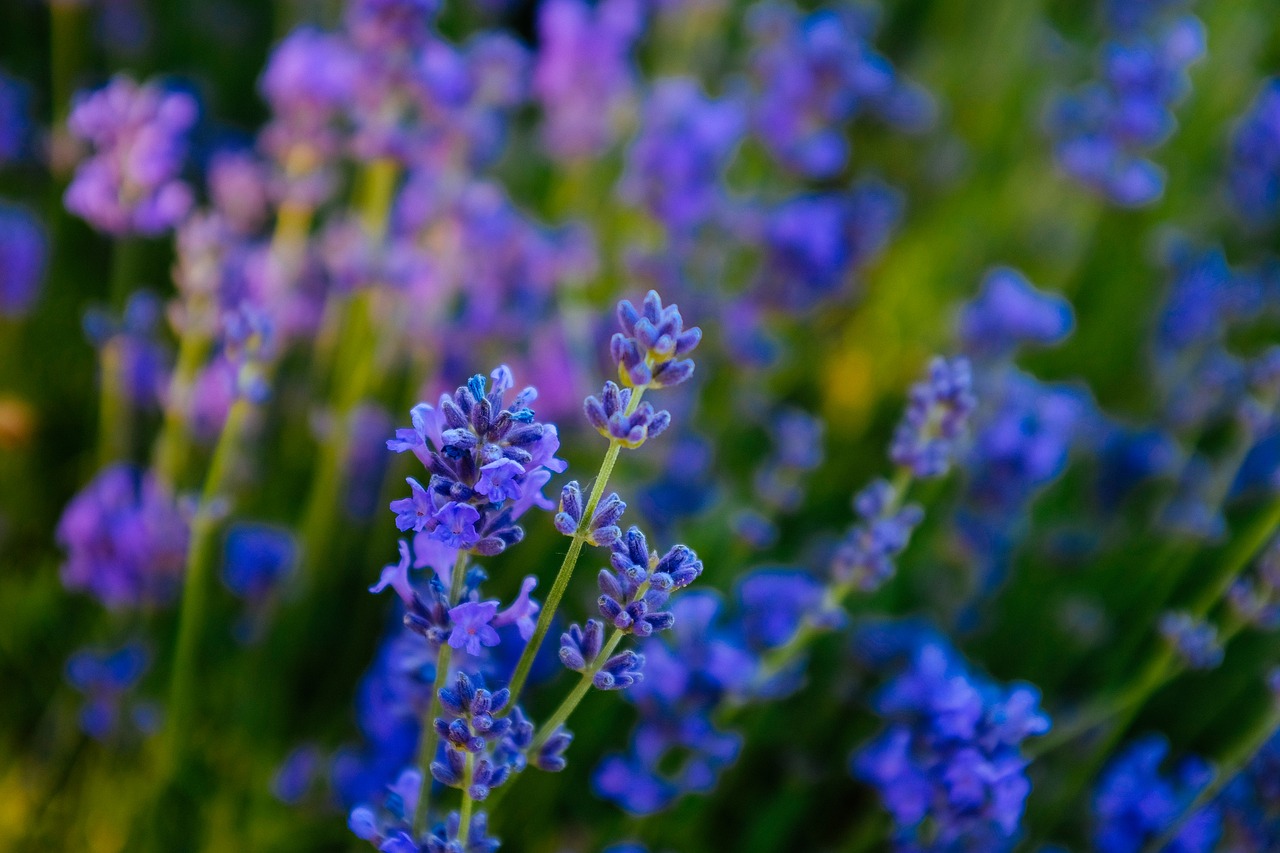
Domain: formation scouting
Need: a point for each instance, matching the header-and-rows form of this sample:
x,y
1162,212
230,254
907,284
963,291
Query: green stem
x,y
579,692
114,415
191,617
570,562
430,739
174,441
464,824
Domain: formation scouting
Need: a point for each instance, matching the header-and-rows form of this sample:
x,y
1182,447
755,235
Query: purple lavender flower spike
x,y
603,530
488,463
580,646
950,762
24,254
125,539
1135,803
815,75
649,350
1254,177
607,413
676,165
1195,640
390,25
585,77
15,120
620,671
1010,312
936,418
131,183
1104,132
471,626
258,557
105,677
865,557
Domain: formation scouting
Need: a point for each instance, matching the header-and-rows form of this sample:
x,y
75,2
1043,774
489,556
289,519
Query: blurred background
x,y
811,347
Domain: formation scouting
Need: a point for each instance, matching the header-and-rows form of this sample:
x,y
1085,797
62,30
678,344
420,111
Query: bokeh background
x,y
979,185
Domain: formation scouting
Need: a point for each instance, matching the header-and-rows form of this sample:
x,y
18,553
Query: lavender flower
x,y
675,748
471,628
936,418
650,349
815,243
609,414
818,73
584,77
1009,312
1254,178
23,255
390,25
106,677
1135,803
603,528
675,165
1104,131
131,183
390,830
141,360
467,505
865,557
640,583
1195,640
951,758
258,557
15,119
125,539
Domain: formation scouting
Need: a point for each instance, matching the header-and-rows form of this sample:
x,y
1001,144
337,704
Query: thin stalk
x,y
579,692
114,420
191,617
174,441
430,739
570,562
464,827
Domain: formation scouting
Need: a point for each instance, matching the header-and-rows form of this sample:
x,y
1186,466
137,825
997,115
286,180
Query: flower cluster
x,y
1254,177
1104,131
584,77
949,767
1135,802
488,465
1194,640
818,73
392,830
937,415
125,538
1009,312
23,256
865,557
132,183
106,676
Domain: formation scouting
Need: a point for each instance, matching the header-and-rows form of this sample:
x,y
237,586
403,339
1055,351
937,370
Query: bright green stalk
x,y
579,692
570,562
468,773
191,617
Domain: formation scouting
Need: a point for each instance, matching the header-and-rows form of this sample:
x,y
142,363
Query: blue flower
x,y
937,415
1010,312
471,628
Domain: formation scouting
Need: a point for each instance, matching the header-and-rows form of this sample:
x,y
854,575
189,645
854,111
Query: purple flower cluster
x,y
1250,803
391,831
125,538
949,767
15,120
1254,177
936,418
1134,802
488,465
23,256
676,164
675,747
1104,131
584,77
257,558
1009,312
1195,640
815,243
131,184
106,676
818,73
865,558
